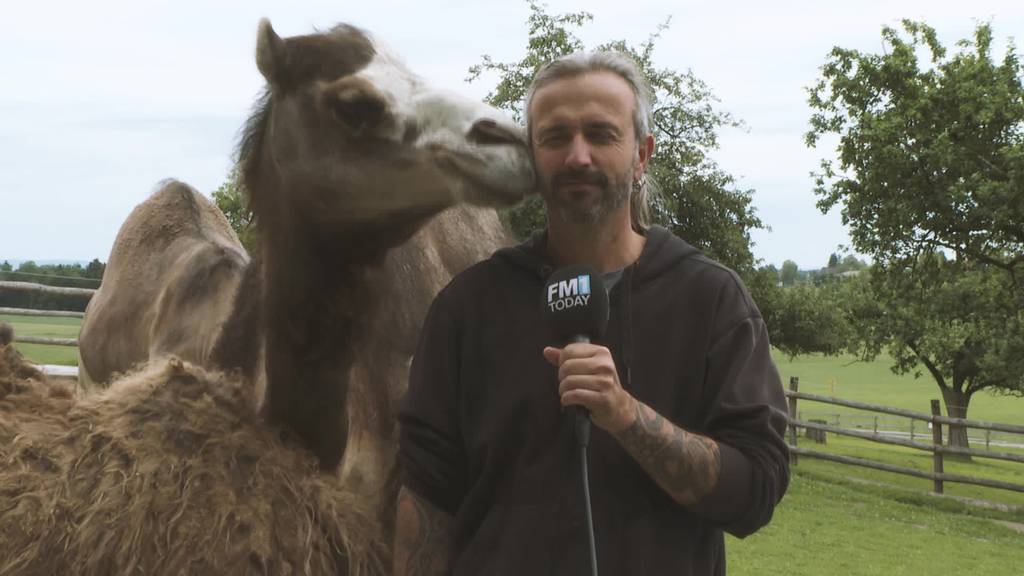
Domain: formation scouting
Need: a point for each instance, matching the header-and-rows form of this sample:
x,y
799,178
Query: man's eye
x,y
553,139
601,136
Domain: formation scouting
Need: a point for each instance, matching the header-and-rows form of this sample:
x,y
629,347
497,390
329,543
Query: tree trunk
x,y
956,407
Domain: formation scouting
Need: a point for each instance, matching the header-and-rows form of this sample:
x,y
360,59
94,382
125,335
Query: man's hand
x,y
685,465
587,377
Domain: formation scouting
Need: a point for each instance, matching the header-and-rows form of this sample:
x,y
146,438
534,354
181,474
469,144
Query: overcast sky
x,y
101,100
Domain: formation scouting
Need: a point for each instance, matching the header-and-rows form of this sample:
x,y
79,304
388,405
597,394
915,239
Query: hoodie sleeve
x,y
430,448
746,414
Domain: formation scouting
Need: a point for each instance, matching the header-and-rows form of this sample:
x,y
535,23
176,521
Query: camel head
x,y
348,138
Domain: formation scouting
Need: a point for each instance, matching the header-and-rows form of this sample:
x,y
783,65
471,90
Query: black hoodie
x,y
483,435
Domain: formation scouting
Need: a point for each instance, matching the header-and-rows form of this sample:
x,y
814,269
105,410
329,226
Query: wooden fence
x,y
936,447
30,287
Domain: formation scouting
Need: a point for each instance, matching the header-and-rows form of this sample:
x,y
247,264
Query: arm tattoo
x,y
685,465
421,537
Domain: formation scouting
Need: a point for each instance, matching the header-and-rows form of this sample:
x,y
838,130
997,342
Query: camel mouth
x,y
494,176
489,132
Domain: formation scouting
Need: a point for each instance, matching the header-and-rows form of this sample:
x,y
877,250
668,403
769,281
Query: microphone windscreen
x,y
575,304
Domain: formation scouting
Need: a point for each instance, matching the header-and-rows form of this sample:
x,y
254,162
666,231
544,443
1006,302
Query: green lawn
x,y
874,383
45,326
829,524
839,519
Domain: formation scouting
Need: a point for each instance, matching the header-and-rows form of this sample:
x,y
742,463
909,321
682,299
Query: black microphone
x,y
576,310
575,305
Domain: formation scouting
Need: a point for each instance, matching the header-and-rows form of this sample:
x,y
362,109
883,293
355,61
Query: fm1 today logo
x,y
569,293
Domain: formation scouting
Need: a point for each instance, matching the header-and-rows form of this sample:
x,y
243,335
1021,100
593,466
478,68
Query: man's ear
x,y
644,149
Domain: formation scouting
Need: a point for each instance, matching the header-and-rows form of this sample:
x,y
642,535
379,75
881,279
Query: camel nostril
x,y
487,131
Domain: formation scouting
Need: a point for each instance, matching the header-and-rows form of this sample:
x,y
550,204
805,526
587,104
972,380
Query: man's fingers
x,y
582,350
582,382
593,366
552,355
580,397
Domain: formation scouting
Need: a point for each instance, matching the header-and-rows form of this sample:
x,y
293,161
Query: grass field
x,y
874,383
45,326
838,519
830,524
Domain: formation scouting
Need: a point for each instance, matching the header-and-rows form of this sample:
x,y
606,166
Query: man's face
x,y
584,146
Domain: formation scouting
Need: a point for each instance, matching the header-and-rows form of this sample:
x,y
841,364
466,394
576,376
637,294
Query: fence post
x,y
876,425
937,441
988,438
911,429
794,385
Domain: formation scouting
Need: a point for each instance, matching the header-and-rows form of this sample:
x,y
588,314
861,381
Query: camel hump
x,y
171,222
197,297
174,211
170,278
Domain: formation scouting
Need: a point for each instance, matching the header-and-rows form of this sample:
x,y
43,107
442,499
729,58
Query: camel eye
x,y
357,111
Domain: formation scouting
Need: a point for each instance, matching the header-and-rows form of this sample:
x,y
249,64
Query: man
x,y
687,406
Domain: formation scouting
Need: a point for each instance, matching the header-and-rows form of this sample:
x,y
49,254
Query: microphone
x,y
576,310
575,305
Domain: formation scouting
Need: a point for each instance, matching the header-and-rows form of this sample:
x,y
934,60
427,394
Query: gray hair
x,y
580,63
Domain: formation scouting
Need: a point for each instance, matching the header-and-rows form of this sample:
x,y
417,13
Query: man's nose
x,y
579,153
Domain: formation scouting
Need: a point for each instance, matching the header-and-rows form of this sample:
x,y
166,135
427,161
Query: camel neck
x,y
315,308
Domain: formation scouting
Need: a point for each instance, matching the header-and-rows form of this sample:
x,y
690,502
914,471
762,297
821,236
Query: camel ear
x,y
271,52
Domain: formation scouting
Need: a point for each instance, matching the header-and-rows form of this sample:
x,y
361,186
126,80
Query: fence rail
x,y
898,426
30,312
994,426
46,340
31,287
886,439
938,450
937,477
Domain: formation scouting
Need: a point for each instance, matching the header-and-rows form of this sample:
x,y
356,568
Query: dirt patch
x,y
1017,526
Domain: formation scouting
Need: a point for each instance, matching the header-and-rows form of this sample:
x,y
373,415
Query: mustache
x,y
579,176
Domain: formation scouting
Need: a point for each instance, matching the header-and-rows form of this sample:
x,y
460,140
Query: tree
x,y
930,162
930,157
231,199
28,267
833,261
954,320
6,266
698,201
809,318
789,273
850,263
94,269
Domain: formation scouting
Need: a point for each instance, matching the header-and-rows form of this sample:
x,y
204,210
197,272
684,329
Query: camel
x,y
237,414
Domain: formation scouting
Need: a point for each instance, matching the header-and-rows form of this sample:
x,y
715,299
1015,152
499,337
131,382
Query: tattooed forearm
x,y
685,465
421,537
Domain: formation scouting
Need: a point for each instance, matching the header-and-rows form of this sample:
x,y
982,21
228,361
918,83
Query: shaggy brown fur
x,y
169,471
6,333
15,373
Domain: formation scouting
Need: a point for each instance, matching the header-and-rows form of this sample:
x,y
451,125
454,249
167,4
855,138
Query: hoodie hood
x,y
661,251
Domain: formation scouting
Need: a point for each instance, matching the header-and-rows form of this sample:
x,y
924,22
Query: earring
x,y
640,183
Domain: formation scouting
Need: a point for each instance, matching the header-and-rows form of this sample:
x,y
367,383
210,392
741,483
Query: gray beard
x,y
613,196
